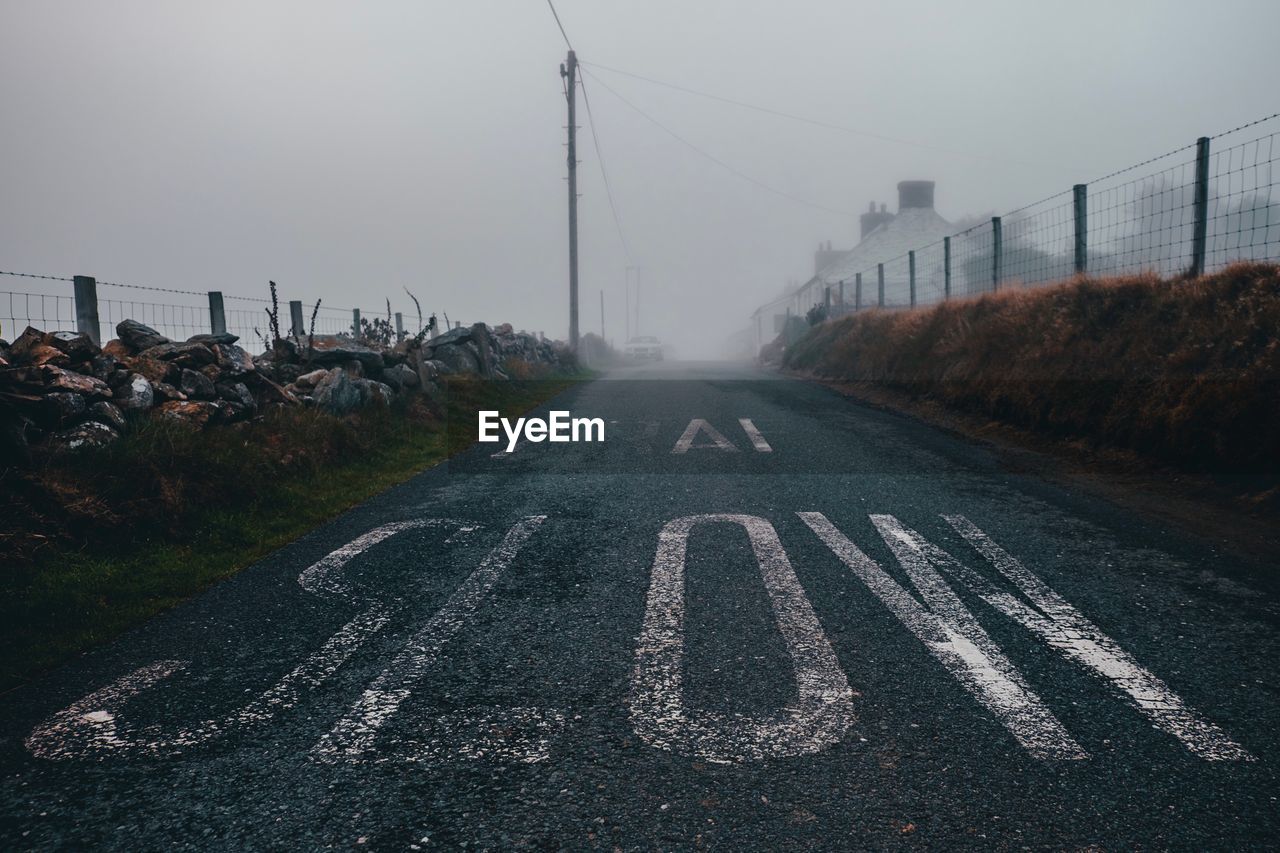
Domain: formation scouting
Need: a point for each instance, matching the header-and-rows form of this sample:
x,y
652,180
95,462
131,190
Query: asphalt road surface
x,y
757,616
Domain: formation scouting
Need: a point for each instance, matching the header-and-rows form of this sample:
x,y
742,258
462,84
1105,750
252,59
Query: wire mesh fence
x,y
1037,242
42,310
972,260
185,313
1244,217
1193,210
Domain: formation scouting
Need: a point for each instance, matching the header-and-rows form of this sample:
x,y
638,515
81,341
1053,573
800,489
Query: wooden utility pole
x,y
569,71
602,316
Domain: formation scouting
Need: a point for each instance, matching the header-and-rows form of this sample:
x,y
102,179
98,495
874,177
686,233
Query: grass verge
x,y
95,543
1187,372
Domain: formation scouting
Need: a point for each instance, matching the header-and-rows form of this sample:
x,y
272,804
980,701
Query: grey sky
x,y
348,149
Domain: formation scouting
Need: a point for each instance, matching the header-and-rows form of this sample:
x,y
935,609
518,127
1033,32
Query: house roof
x,y
912,228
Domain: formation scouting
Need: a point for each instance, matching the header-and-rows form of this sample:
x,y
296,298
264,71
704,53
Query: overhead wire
x,y
731,169
560,25
817,122
604,174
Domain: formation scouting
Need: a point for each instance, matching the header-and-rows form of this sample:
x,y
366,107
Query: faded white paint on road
x,y
353,736
952,635
92,727
757,438
823,710
685,442
1064,628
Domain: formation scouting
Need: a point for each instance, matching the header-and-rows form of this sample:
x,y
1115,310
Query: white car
x,y
643,349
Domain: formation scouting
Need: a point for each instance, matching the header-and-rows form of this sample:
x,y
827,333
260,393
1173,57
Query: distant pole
x,y
86,293
399,326
1199,236
880,284
857,292
635,327
1080,196
842,294
996,251
355,322
826,298
217,313
295,318
911,275
602,316
569,71
946,267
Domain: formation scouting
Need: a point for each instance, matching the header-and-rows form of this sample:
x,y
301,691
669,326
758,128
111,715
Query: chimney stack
x,y
872,219
915,194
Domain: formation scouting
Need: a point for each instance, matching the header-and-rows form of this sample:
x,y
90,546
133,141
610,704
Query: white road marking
x,y
1064,628
952,635
92,726
353,736
685,443
757,439
818,718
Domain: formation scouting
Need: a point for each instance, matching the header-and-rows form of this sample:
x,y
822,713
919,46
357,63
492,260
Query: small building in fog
x,y
885,238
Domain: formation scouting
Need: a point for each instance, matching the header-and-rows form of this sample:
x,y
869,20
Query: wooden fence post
x,y
946,267
1200,232
86,291
1080,198
217,313
911,275
997,250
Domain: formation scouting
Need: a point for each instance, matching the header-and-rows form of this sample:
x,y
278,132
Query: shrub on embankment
x,y
1188,371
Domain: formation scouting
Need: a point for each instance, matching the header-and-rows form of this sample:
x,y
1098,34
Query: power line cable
x,y
736,172
560,25
817,122
604,174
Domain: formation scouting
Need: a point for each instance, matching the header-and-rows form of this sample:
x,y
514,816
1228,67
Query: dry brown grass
x,y
1188,371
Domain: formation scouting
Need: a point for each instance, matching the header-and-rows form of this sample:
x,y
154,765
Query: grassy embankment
x,y
96,542
1187,372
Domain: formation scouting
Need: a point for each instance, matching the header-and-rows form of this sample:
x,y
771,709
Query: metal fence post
x,y
295,317
946,267
217,313
997,249
857,292
911,275
355,322
880,284
826,298
1201,226
842,294
399,325
1080,196
86,290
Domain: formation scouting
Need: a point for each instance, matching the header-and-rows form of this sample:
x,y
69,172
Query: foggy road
x,y
757,616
